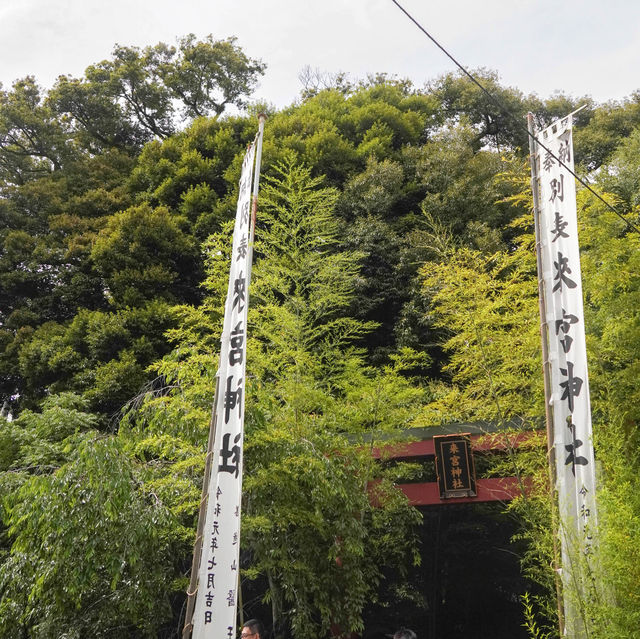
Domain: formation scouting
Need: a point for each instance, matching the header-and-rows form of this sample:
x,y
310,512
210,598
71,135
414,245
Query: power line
x,y
513,118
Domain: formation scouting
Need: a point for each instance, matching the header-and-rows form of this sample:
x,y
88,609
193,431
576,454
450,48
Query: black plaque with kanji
x,y
454,466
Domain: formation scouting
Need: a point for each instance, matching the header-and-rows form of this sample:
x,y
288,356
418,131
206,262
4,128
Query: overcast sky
x,y
590,47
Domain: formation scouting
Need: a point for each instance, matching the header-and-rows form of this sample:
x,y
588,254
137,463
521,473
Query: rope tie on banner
x,y
514,119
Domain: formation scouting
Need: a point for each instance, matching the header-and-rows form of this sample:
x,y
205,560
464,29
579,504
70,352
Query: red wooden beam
x,y
420,448
493,489
425,448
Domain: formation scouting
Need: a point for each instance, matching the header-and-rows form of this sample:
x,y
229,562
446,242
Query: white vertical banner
x,y
216,599
572,441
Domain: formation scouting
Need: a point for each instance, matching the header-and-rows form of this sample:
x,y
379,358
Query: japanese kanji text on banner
x,y
216,600
569,392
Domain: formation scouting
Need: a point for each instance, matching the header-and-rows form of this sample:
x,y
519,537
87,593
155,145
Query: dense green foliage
x,y
394,286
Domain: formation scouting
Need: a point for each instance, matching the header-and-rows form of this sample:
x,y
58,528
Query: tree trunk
x,y
276,609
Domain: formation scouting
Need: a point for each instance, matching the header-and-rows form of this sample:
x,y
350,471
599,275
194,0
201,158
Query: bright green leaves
x,y
612,293
301,276
87,548
90,524
309,522
311,402
487,307
609,256
40,442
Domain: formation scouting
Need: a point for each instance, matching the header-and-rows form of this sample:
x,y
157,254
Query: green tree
x,y
609,125
487,306
312,408
145,254
99,122
66,193
311,403
621,174
87,550
101,355
130,98
32,140
611,288
210,75
497,126
88,531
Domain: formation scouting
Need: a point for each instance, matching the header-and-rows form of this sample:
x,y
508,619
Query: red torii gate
x,y
485,437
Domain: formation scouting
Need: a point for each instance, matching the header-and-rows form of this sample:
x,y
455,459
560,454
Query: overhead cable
x,y
513,118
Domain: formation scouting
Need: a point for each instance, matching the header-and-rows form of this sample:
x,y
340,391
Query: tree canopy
x,y
394,287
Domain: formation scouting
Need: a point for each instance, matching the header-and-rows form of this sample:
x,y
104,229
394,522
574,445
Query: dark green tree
x,y
131,98
32,140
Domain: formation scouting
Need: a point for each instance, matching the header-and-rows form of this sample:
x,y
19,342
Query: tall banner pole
x,y
572,444
197,547
546,364
256,185
213,592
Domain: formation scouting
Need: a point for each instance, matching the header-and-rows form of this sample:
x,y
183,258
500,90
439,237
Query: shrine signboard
x,y
454,466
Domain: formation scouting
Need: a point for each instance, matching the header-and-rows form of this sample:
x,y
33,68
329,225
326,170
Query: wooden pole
x,y
197,547
256,185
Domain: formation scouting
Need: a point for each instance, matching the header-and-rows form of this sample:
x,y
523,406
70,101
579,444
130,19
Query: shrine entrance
x,y
469,584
